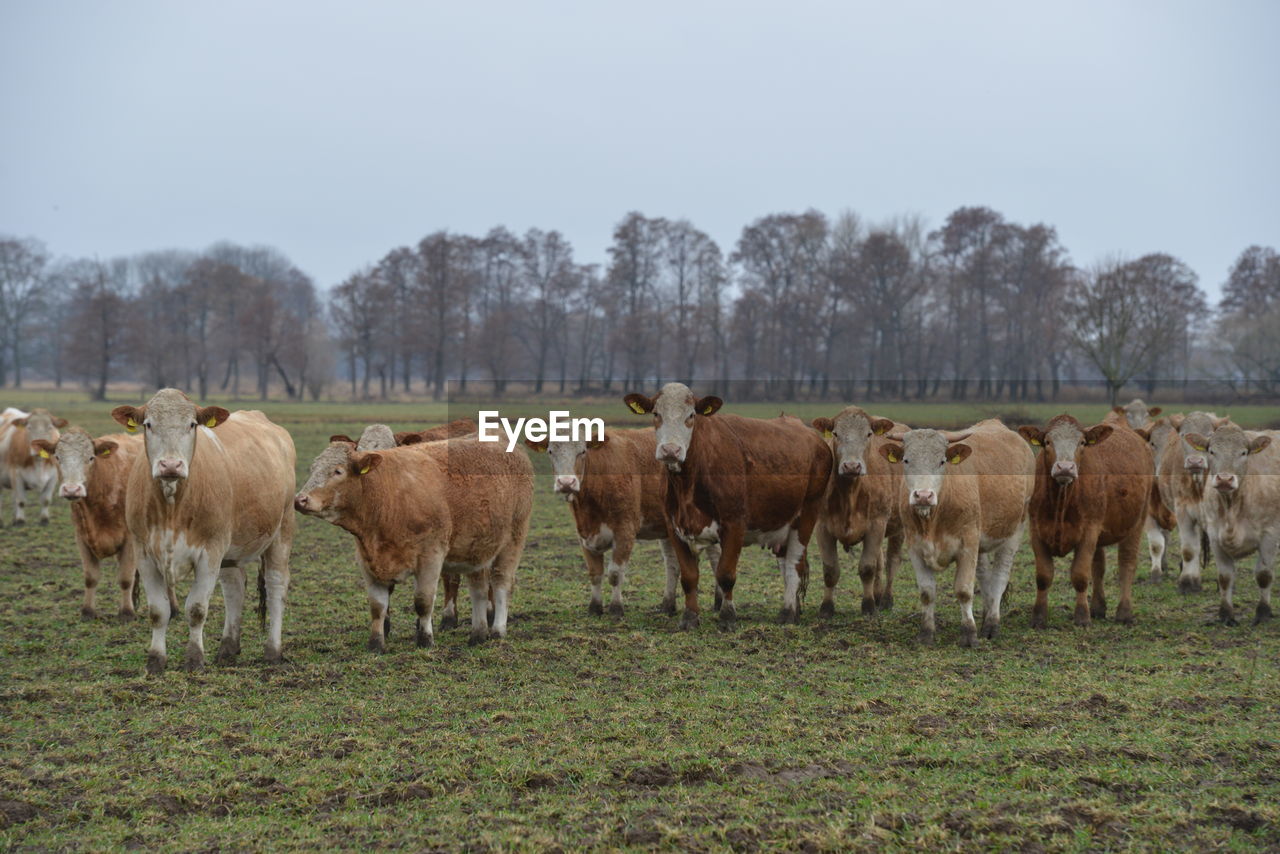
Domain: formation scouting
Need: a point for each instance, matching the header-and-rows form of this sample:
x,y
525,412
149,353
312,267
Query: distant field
x,y
585,731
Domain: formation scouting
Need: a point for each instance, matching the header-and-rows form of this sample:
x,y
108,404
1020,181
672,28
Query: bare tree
x,y
22,268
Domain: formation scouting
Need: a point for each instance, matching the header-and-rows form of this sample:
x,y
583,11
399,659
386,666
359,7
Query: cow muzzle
x,y
851,468
302,502
171,469
924,498
670,455
72,491
566,485
1225,483
1065,473
1195,463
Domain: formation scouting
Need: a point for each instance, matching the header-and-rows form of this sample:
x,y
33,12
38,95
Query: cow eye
x,y
193,425
657,419
337,471
688,422
869,434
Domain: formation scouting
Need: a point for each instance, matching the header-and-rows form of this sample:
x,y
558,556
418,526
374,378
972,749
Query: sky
x,y
338,131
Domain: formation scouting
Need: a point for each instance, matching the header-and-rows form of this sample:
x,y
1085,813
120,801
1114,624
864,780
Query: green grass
x,y
583,731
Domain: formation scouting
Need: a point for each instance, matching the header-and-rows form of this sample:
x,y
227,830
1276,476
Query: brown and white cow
x,y
213,491
1160,518
1135,414
964,499
457,507
21,467
1091,491
615,488
861,506
94,475
457,427
1241,508
1182,479
735,481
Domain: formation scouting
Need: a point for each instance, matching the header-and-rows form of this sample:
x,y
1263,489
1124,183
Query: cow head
x,y
1063,440
568,462
170,423
325,493
74,454
675,412
850,432
1228,450
1157,436
1194,460
1136,413
41,426
926,456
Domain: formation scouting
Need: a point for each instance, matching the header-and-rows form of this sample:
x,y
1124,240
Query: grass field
x,y
587,731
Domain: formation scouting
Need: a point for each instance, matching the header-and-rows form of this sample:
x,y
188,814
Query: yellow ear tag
x,y
44,455
1035,442
826,434
893,458
364,470
105,453
212,422
882,431
955,461
710,409
636,407
132,426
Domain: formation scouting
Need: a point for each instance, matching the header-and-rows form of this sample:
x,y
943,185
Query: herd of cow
x,y
199,491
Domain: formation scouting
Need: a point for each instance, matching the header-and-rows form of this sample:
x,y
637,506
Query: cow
x,y
458,427
1182,487
1241,509
1135,414
963,499
458,506
1160,518
735,481
615,488
213,491
94,475
1091,491
861,506
21,468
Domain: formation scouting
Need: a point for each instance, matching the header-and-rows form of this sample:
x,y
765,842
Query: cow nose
x,y
1195,462
922,496
170,468
851,468
566,483
300,501
1064,469
669,451
1225,482
72,490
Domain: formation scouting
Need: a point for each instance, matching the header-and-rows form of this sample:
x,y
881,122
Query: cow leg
x,y
232,580
160,606
1189,538
502,582
449,616
1226,585
127,577
689,577
595,573
379,601
425,582
46,498
1127,572
672,566
871,565
726,570
892,560
1264,573
275,569
927,582
1082,562
1044,580
623,542
994,584
19,498
1098,596
830,570
478,584
206,572
1156,546
789,562
92,575
966,575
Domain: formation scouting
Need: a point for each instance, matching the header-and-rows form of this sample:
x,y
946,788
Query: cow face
x,y
74,454
1196,462
926,455
170,423
675,412
333,472
1136,413
1228,450
41,427
568,461
1157,436
1063,442
850,432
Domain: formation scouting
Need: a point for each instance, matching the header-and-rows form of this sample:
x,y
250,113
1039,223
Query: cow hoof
x,y
44,520
1039,620
88,614
193,660
969,636
386,626
868,606
478,636
1082,616
989,629
1124,616
1262,613
827,610
156,662
718,602
1189,585
885,603
1156,577
788,617
273,655
376,644
689,621
228,651
448,622
615,609
1227,616
126,616
422,638
668,607
595,609
1098,612
18,523
925,637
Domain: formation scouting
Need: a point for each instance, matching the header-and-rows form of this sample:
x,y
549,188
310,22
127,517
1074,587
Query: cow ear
x,y
1260,443
540,445
44,448
408,437
1119,410
60,423
1195,440
20,422
130,416
592,444
823,426
1154,411
1145,433
1223,420
891,451
638,403
1175,420
1097,434
956,454
211,416
341,437
103,447
708,405
1034,435
364,463
880,426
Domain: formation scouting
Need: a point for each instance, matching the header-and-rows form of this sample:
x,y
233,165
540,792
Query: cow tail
x,y
1205,552
802,570
262,595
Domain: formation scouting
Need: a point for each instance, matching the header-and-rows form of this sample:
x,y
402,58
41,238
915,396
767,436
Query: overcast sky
x,y
338,131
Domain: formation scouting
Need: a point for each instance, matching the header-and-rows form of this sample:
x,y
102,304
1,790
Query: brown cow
x,y
1092,488
615,489
1135,414
458,427
963,500
21,468
735,481
1182,487
861,506
457,506
212,492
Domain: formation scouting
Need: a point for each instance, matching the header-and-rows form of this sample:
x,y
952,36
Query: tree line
x,y
803,305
